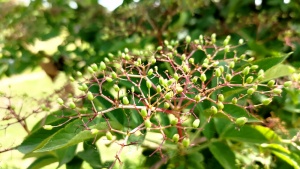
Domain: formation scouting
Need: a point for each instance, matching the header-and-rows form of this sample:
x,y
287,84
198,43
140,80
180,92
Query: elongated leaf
x,y
267,63
42,162
65,155
284,154
223,154
277,71
75,163
244,134
236,112
71,135
268,133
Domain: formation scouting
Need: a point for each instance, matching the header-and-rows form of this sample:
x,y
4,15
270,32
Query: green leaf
x,y
268,133
267,63
236,112
42,162
277,71
246,134
223,154
65,155
71,135
91,154
75,163
284,154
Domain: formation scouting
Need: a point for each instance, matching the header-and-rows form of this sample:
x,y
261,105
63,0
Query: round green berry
x,y
277,91
116,88
218,72
60,101
241,121
234,100
114,75
147,123
94,131
203,77
176,76
220,105
72,105
214,110
166,105
169,95
197,97
94,66
287,84
179,89
108,79
267,101
194,79
102,66
228,77
148,84
250,91
249,79
90,96
186,142
220,97
271,83
150,72
246,70
175,138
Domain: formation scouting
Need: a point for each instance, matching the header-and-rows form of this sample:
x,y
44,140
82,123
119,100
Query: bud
x,y
250,91
234,100
108,79
175,138
241,41
192,61
241,121
94,66
186,142
179,89
109,136
125,100
166,105
116,87
196,123
72,105
90,70
271,83
218,72
249,79
147,123
90,96
188,39
220,105
226,41
228,77
183,57
246,70
60,101
214,110
185,68
173,120
159,48
176,76
287,84
203,77
197,97
194,79
144,112
266,101
94,131
148,84
231,64
48,127
220,97
158,89
254,67
102,66
169,95
150,72
277,91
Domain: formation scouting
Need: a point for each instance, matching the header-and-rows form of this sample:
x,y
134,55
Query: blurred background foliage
x,y
85,32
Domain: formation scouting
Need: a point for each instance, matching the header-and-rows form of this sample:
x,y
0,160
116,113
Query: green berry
x,y
249,79
148,84
203,77
192,61
108,79
72,105
254,67
196,123
194,79
243,56
109,136
169,95
106,60
159,48
228,77
220,105
158,89
188,39
250,91
125,100
60,101
197,97
241,41
183,57
116,87
179,89
147,123
220,97
261,72
266,101
227,48
94,131
234,100
114,75
132,89
246,70
90,70
218,72
90,96
175,138
176,76
94,66
71,78
150,72
231,64
48,127
186,142
185,68
287,84
102,66
214,110
271,83
166,105
144,112
277,91
83,87
79,74
226,41
241,121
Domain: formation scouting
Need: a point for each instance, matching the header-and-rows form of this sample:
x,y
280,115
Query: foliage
x,y
143,70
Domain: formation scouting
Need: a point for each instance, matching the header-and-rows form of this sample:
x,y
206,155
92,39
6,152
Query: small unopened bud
x,y
241,121
48,127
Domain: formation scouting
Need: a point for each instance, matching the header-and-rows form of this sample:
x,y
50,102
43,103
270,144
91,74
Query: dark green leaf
x,y
91,154
42,162
223,154
65,155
